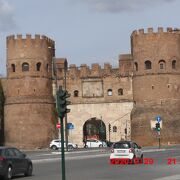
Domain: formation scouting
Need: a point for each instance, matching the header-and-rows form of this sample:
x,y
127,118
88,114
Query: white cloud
x,y
6,16
115,6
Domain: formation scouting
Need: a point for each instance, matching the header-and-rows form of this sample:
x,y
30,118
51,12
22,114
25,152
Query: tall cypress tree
x,y
2,100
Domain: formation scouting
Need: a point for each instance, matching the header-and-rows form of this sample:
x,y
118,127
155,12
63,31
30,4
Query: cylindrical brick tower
x,y
156,85
29,101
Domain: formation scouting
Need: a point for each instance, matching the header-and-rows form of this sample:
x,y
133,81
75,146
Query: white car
x,y
56,144
94,143
126,150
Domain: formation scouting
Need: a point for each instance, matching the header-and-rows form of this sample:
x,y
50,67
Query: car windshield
x,y
121,145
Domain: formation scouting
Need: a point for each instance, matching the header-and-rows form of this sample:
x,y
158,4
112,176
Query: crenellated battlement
x,y
159,30
96,70
29,40
33,50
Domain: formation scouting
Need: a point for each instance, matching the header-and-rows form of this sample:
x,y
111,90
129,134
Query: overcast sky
x,y
85,31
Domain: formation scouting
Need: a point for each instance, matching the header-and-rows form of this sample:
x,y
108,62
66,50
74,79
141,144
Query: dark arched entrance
x,y
94,129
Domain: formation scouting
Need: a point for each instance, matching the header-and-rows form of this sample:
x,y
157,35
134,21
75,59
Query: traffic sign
x,y
58,125
70,126
158,118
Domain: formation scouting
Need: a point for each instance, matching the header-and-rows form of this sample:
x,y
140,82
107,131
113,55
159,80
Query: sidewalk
x,y
107,149
162,146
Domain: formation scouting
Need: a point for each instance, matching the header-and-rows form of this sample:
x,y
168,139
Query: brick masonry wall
x,y
155,90
29,125
100,90
117,114
29,105
142,132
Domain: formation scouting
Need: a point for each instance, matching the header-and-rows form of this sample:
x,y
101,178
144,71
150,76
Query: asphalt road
x,y
161,164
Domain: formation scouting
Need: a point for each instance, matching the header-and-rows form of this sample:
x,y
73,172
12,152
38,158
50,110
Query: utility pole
x,y
158,129
126,130
62,150
109,132
62,102
65,83
61,106
61,97
159,139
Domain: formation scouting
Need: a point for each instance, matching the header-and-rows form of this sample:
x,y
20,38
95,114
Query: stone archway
x,y
94,129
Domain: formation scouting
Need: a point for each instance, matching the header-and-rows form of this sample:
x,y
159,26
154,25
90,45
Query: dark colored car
x,y
14,162
109,143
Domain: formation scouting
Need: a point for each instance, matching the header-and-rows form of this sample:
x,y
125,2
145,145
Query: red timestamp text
x,y
172,161
146,161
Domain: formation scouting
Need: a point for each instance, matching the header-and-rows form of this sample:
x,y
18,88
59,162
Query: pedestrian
x,y
84,143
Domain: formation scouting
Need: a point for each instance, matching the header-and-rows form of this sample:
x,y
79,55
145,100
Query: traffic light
x,y
62,102
109,127
158,128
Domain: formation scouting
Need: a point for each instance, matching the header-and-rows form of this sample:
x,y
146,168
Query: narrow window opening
x,y
38,66
25,67
148,64
13,67
114,128
76,93
120,92
136,66
162,64
174,64
109,92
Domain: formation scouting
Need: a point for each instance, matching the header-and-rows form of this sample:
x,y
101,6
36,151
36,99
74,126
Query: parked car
x,y
109,143
94,143
126,150
56,144
13,162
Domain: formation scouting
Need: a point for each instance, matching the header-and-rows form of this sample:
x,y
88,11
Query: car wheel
x,y
141,160
100,145
8,173
134,160
70,147
29,170
53,147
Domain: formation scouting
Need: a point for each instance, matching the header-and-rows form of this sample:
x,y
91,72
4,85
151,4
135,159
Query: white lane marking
x,y
173,177
83,152
50,154
69,158
153,150
175,157
74,152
